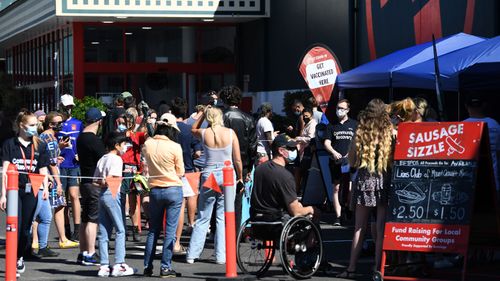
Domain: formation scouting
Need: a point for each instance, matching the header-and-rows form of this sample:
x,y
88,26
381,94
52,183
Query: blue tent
x,y
378,73
473,67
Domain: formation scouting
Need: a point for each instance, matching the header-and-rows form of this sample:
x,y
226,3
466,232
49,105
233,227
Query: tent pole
x,y
391,90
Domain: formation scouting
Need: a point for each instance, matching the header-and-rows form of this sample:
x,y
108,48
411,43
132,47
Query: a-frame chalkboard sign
x,y
443,196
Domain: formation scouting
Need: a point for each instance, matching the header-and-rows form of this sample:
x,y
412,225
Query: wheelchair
x,y
298,241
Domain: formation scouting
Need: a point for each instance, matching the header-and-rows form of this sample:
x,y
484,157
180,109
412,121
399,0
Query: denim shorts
x,y
69,177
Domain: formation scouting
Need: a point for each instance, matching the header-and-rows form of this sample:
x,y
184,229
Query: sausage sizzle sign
x,y
432,189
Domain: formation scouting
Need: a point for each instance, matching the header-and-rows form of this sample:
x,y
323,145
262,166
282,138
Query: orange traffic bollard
x,y
229,197
11,228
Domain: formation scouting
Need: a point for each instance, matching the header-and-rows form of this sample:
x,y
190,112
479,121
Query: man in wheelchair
x,y
274,196
278,221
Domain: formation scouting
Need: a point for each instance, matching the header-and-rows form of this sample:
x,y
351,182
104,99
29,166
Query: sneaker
x,y
68,244
148,271
190,261
20,266
90,260
167,273
122,270
47,252
79,259
104,271
337,222
75,237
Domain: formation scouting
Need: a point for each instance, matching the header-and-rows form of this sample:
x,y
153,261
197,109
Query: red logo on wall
x,y
447,140
320,68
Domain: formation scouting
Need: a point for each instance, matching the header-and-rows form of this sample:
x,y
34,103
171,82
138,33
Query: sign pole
x,y
11,228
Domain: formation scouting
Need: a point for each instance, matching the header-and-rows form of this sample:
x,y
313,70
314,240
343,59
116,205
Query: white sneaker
x,y
122,270
190,261
20,267
104,271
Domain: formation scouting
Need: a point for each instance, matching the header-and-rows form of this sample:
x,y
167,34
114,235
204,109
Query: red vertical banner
x,y
319,68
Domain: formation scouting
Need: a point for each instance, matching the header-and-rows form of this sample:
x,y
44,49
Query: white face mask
x,y
341,113
124,149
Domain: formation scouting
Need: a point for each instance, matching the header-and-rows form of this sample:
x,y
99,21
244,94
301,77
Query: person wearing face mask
x,y
110,214
40,116
70,167
274,194
303,141
43,213
91,149
27,152
131,166
339,136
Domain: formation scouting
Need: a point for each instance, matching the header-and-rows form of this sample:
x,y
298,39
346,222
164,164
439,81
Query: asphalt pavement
x,y
336,243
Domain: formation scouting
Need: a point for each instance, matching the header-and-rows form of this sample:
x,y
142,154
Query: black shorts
x,y
89,202
336,172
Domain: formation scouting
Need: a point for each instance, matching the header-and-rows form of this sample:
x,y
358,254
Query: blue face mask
x,y
292,155
122,128
31,131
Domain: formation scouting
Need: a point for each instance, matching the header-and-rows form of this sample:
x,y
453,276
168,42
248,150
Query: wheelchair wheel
x,y
254,256
301,248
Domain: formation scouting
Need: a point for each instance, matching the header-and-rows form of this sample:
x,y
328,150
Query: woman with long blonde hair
x,y
220,144
371,153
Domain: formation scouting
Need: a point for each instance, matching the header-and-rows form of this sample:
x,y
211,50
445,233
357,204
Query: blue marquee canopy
x,y
470,68
380,73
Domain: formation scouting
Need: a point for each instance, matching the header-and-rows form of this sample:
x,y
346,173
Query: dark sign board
x,y
436,179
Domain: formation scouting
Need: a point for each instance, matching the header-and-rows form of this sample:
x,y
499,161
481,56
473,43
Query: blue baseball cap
x,y
93,115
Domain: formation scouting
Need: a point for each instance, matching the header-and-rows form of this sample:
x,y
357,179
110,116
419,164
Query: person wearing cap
x,y
40,116
70,167
274,195
128,99
91,149
164,164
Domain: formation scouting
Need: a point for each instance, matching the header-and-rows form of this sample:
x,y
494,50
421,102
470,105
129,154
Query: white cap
x,y
67,100
170,120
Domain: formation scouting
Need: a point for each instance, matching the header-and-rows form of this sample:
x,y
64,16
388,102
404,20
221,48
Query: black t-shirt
x,y
90,149
341,135
11,151
273,190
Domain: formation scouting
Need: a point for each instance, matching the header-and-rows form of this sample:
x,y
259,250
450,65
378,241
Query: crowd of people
x,y
149,154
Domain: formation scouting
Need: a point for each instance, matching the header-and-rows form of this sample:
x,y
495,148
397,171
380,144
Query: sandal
x,y
179,252
346,274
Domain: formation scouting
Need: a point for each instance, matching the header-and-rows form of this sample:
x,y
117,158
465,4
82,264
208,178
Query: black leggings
x,y
26,210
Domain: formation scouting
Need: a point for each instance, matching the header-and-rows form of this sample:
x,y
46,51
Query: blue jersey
x,y
72,128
